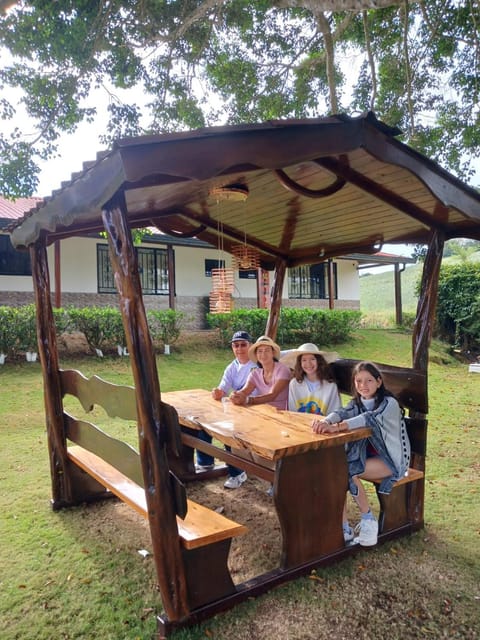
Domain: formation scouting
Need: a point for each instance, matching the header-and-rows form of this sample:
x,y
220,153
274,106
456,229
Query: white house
x,y
175,273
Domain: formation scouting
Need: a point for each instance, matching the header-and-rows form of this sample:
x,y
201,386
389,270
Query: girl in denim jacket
x,y
384,455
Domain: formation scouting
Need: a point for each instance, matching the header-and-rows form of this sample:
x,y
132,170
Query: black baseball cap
x,y
241,335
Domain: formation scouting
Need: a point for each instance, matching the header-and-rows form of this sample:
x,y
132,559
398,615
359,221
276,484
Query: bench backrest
x,y
118,401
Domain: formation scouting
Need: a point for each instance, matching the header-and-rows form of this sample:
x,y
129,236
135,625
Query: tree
x,y
194,63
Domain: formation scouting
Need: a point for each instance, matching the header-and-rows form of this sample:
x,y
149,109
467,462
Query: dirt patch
x,y
73,344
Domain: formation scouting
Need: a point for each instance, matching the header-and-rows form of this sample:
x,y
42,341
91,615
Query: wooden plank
x,y
411,476
201,525
116,452
117,400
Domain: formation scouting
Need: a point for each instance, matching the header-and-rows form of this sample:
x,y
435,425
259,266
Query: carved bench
x,y
107,463
403,507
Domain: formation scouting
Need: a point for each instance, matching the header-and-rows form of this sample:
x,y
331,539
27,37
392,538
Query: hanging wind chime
x,y
221,300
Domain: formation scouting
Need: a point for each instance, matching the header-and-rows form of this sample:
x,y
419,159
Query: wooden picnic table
x,y
308,470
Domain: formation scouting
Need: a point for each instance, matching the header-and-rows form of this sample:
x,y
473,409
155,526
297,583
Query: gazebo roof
x,y
297,190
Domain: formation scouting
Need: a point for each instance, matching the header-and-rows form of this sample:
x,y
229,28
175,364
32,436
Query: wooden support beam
x,y
58,274
152,430
47,348
398,294
424,322
276,304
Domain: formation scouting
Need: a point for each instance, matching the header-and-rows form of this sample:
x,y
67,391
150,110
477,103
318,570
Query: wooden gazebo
x,y
297,192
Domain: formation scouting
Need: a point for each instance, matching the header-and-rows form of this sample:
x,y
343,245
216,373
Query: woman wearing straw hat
x,y
269,378
312,388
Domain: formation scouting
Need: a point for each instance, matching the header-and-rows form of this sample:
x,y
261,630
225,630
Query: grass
x,y
77,573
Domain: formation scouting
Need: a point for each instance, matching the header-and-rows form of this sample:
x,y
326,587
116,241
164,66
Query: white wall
x,y
78,260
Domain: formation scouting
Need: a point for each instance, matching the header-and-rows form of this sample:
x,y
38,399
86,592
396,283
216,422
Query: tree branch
x,y
318,7
371,60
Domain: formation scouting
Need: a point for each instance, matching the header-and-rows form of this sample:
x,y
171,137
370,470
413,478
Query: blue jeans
x,y
205,459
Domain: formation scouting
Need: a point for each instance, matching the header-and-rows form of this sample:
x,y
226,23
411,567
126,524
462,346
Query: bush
x,y
25,319
296,326
101,326
8,332
165,325
251,320
458,306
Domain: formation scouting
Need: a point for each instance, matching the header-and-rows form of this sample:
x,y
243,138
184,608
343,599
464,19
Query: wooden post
x,y
152,430
58,276
276,304
398,294
331,290
47,349
171,277
423,327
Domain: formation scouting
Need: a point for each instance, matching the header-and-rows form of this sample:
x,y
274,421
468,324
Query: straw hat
x,y
290,358
263,341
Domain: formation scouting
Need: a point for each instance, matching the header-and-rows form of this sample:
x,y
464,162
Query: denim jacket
x,y
389,437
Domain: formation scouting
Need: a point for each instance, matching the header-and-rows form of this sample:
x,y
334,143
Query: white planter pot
x,y
166,350
2,358
31,356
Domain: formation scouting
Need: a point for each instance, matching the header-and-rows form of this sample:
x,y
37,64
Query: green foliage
x,y
251,320
458,307
295,326
252,61
26,327
8,334
62,321
101,326
165,325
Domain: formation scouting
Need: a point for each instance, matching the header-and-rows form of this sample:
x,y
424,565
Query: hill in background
x,y
377,290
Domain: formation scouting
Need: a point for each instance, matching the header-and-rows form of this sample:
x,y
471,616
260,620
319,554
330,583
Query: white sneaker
x,y
234,482
368,532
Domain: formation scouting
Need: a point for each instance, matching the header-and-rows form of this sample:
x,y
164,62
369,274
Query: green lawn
x,y
74,574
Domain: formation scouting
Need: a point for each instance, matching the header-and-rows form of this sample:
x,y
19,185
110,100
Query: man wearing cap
x,y
234,378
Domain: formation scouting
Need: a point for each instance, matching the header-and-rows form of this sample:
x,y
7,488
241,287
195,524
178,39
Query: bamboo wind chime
x,y
221,300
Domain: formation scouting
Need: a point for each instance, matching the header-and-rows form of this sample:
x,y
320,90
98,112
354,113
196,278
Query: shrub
x,y
8,333
295,326
101,326
165,325
458,306
251,320
25,319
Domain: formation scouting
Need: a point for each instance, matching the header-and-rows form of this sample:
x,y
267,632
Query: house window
x,y
213,264
152,268
247,274
13,262
311,281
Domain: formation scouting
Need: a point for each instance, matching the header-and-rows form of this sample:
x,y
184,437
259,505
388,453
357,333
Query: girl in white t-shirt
x,y
312,388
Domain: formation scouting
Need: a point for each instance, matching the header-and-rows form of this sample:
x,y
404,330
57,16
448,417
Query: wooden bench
x,y
201,526
107,463
403,507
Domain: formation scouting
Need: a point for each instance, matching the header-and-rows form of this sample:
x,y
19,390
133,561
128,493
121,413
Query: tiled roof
x,y
15,209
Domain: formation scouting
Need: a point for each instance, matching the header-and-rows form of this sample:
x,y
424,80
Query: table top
x,y
261,429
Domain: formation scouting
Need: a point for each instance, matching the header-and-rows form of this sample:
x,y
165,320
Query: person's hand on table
x,y
239,398
217,394
320,425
